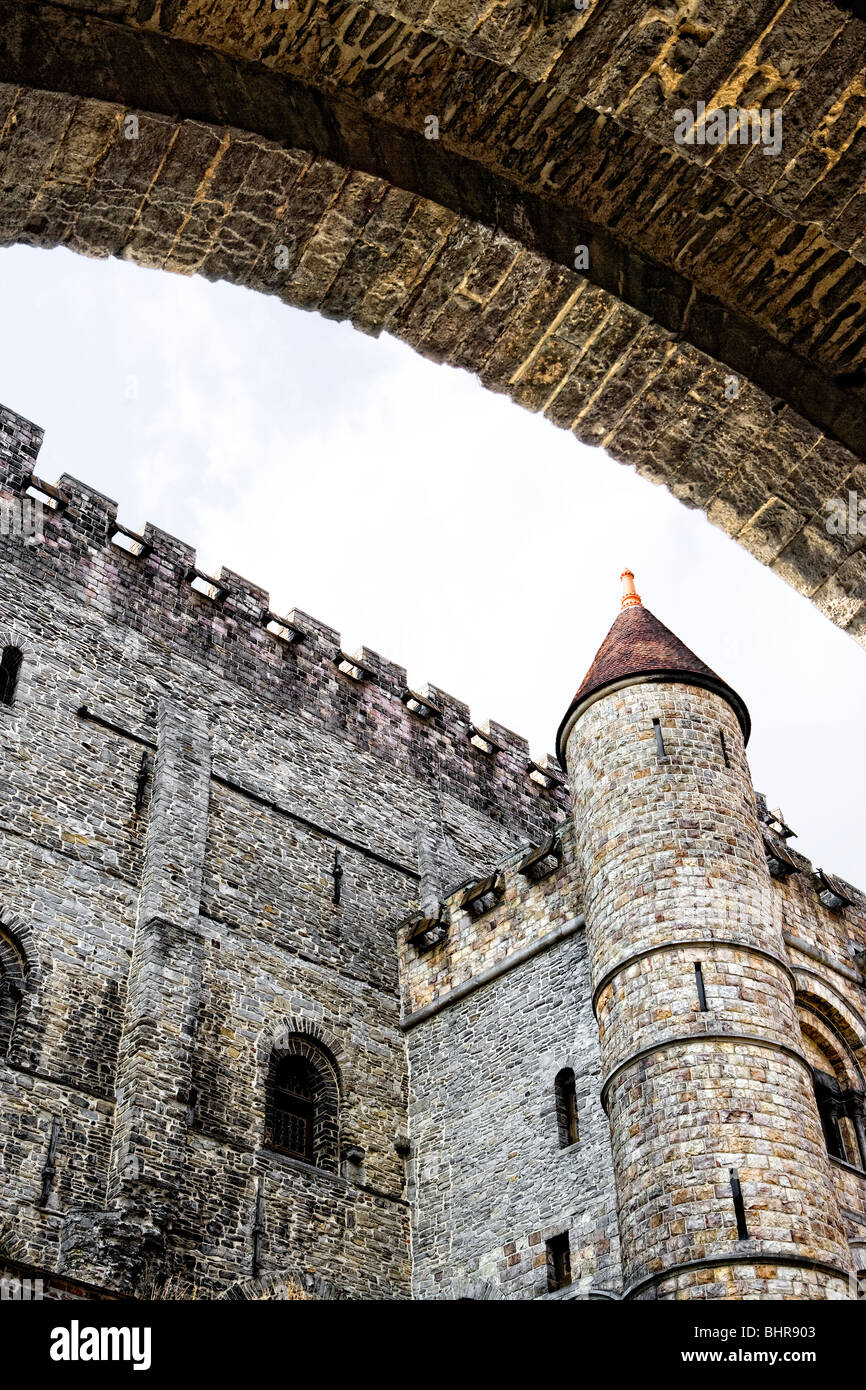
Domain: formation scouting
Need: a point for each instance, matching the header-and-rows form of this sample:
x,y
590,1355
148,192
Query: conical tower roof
x,y
638,645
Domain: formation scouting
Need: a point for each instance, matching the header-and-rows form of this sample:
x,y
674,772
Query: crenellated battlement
x,y
150,581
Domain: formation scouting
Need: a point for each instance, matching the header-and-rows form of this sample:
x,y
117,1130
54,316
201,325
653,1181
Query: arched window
x,y
842,1119
832,1046
293,1109
566,1108
827,1092
302,1115
12,981
10,665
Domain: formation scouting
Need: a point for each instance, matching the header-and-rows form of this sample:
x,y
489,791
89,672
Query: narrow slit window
x,y
699,981
739,1206
660,743
566,1108
558,1262
724,748
10,666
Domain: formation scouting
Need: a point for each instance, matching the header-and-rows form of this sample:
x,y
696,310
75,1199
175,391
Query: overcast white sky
x,y
417,513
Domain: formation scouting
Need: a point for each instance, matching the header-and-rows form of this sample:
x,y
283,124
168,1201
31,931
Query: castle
x,y
311,986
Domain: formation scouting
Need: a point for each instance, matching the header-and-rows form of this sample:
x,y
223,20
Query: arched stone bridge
x,y
715,336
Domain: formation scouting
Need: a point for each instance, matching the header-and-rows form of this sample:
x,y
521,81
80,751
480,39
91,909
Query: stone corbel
x,y
427,930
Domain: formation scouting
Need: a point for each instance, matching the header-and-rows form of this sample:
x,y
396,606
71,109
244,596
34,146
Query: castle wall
x,y
491,1181
176,783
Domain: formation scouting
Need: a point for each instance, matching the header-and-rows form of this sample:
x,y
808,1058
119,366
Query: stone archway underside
x,y
284,149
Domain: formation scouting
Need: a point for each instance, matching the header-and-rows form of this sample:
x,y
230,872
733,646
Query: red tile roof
x,y
638,644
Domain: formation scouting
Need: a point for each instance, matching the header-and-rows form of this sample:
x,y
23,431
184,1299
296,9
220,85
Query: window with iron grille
x,y
10,665
13,969
302,1110
293,1109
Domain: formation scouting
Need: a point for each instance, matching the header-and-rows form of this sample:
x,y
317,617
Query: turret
x,y
723,1185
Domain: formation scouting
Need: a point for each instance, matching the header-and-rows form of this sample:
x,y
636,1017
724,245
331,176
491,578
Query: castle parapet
x,y
150,581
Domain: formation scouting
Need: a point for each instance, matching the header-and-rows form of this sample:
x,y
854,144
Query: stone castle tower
x,y
309,980
705,1084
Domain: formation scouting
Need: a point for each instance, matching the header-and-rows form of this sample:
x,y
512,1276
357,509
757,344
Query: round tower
x,y
723,1184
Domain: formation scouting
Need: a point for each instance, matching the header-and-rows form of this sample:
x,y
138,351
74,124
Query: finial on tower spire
x,y
637,649
630,598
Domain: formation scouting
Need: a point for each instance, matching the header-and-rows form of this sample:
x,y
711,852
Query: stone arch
x,y
291,1283
277,130
305,1054
12,637
298,1025
831,1023
477,1291
834,1049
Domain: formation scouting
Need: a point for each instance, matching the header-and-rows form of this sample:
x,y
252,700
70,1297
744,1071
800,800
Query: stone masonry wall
x,y
176,784
491,1182
827,952
525,913
152,597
